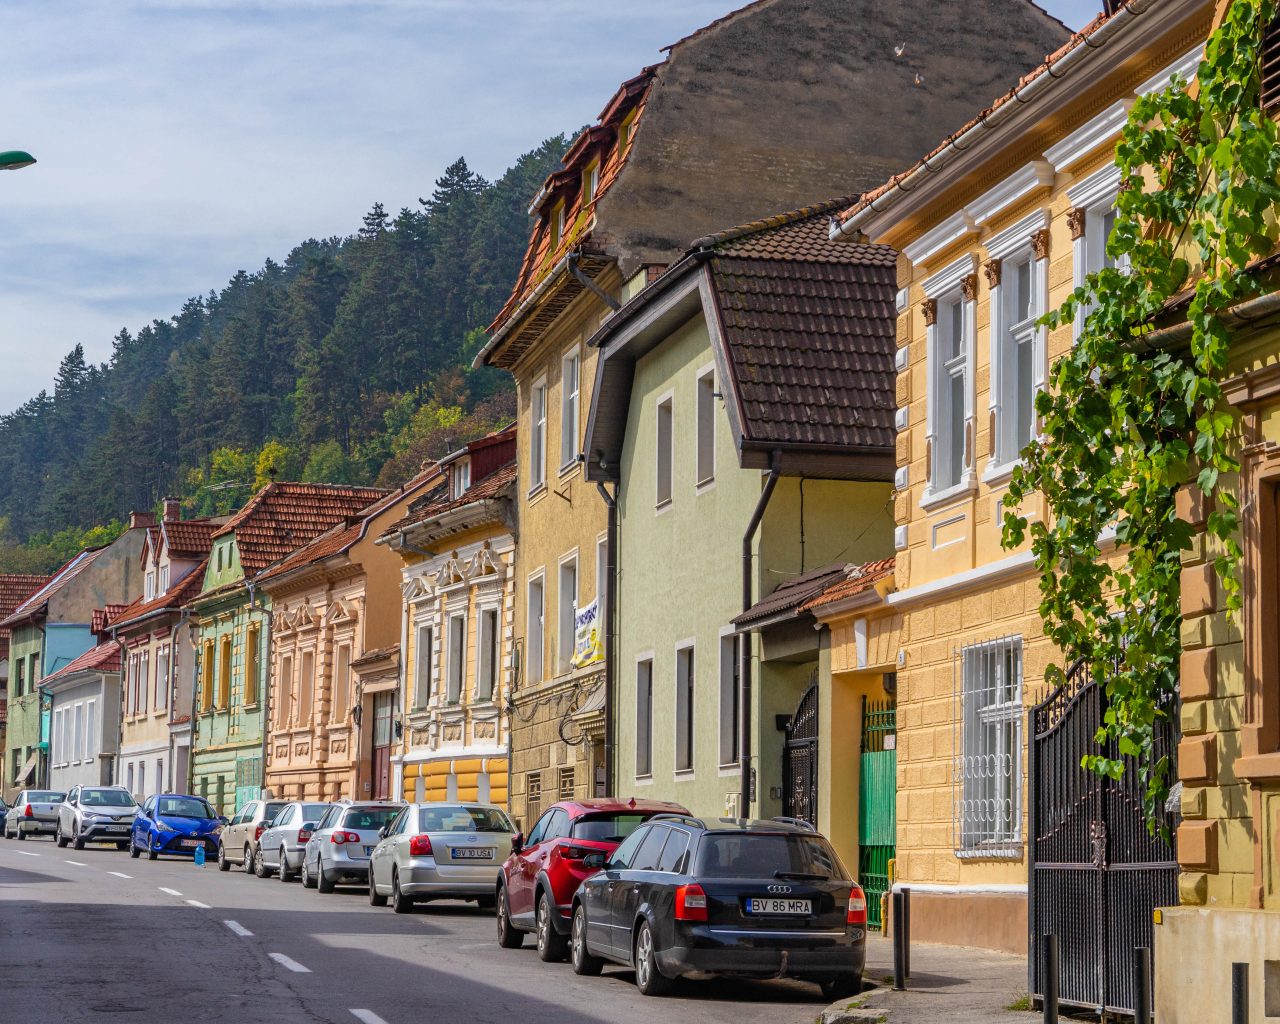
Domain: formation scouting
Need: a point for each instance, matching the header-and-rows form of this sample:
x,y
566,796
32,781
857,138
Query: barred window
x,y
532,798
1271,67
988,773
567,781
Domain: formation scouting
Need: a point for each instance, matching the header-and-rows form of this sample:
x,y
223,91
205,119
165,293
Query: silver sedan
x,y
339,848
280,846
33,811
440,851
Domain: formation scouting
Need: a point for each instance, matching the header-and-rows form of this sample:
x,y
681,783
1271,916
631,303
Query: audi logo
x,y
779,889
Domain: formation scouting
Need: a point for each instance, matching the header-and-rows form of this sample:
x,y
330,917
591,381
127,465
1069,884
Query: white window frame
x,y
987,720
149,588
704,461
78,736
729,713
164,579
488,641
306,686
602,589
163,655
461,476
566,611
341,683
456,677
664,461
144,682
538,435
686,706
945,288
424,665
535,629
570,407
592,184
1096,195
644,715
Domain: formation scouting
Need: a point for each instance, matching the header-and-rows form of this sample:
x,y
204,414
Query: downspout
x,y
263,663
124,662
197,654
611,633
744,652
173,689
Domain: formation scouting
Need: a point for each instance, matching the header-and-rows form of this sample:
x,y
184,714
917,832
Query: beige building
x,y
335,614
1008,216
458,584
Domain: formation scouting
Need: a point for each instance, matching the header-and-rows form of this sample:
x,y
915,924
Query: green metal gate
x,y
248,780
877,802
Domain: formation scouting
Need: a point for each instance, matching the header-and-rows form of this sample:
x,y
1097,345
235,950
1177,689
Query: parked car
x,y
33,811
761,899
175,824
95,814
439,851
339,848
281,844
239,839
537,882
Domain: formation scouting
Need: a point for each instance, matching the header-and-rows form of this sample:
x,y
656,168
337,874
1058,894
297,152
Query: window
x,y
644,718
535,642
487,676
673,853
729,700
706,458
569,408
461,477
164,579
20,678
224,671
142,777
951,389
663,453
626,130
538,436
650,852
162,679
160,773
625,854
149,587
422,669
341,686
306,685
77,742
557,225
989,775
590,182
602,590
252,644
144,682
129,778
206,676
566,610
90,729
532,799
457,657
684,709
566,787
1270,95
284,693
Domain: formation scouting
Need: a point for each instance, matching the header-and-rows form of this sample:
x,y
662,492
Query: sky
x,y
179,141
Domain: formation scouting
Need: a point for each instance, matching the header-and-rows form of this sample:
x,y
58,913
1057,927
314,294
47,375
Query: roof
x,y
492,486
789,595
39,600
856,580
181,593
282,517
14,590
103,658
189,539
376,655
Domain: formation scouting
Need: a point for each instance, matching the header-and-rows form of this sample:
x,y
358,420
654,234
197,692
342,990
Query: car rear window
x,y
269,811
463,818
607,828
767,855
369,818
45,797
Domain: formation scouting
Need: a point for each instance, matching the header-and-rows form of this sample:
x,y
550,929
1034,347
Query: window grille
x,y
567,780
1271,67
532,799
987,780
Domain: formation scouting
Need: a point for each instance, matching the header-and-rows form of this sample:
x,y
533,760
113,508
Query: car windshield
x,y
184,807
369,819
607,828
463,819
44,796
767,855
106,798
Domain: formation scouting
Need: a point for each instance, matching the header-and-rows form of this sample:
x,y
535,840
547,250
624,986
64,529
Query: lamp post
x,y
15,159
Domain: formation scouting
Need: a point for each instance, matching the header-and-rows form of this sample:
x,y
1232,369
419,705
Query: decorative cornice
x,y
969,287
1035,175
930,310
1089,136
1040,244
991,271
1076,218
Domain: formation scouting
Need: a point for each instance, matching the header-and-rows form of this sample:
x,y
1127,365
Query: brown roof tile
x,y
189,538
433,504
790,594
857,579
175,597
14,589
103,658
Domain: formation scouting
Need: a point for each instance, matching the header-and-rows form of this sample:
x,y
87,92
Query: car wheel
x,y
77,843
152,852
287,874
21,835
305,876
551,944
324,883
649,980
134,852
375,898
247,863
57,837
842,987
509,937
400,903
259,864
122,845
223,863
583,962
486,903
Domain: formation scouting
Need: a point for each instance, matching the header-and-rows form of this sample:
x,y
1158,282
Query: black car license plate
x,y
471,853
779,905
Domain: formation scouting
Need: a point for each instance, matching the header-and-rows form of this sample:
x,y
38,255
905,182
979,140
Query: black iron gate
x,y
1096,872
800,761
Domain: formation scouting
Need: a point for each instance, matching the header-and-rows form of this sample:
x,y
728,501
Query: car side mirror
x,y
382,832
517,842
310,826
593,861
223,819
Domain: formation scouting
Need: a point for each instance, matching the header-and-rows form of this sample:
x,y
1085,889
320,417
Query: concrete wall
x,y
1194,950
91,762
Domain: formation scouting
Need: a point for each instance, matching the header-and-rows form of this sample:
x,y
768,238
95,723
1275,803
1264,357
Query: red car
x,y
537,882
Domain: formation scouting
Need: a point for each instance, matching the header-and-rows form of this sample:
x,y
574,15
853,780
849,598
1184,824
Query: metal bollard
x,y
899,946
1239,993
1049,977
1142,985
906,934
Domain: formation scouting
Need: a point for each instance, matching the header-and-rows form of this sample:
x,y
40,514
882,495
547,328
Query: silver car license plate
x,y
472,853
773,905
118,828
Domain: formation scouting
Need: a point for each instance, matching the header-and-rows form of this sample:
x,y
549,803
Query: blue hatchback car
x,y
177,824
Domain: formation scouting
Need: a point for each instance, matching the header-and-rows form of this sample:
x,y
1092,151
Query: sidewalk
x,y
955,984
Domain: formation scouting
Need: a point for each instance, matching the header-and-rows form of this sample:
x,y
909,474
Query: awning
x,y
28,770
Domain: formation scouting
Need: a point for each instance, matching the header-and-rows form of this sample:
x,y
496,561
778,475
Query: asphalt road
x,y
93,937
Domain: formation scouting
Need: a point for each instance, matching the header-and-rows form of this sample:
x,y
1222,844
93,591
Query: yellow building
x,y
995,228
458,587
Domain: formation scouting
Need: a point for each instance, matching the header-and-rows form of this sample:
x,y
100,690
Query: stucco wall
x,y
95,765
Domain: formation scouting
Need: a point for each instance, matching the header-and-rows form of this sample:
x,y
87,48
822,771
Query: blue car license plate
x,y
776,905
368,851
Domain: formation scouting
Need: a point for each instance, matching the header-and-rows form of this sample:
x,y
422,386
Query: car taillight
x,y
338,838
257,832
28,813
303,835
420,846
857,907
574,852
691,903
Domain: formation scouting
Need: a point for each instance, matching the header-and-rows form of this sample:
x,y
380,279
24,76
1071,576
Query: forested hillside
x,y
348,362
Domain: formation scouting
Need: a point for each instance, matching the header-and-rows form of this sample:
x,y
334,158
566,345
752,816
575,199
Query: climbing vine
x,y
1128,417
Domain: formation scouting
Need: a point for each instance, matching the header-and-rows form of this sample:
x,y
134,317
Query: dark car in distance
x,y
536,884
686,898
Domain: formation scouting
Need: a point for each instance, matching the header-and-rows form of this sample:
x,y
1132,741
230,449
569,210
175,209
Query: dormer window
x,y
149,591
461,477
590,182
625,130
557,226
164,579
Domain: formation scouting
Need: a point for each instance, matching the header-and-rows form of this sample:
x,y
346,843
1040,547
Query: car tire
x,y
842,987
286,873
649,980
247,863
552,946
583,962
486,903
305,876
509,936
223,863
324,883
58,838
122,845
376,899
134,852
77,843
400,903
260,864
21,835
152,853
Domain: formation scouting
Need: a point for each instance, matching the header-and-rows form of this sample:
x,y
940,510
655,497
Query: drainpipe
x,y
124,662
172,682
744,652
265,697
611,633
197,650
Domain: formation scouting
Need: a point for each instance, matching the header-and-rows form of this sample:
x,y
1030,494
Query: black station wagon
x,y
686,898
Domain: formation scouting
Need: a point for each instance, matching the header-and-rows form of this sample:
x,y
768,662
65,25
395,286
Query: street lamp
x,y
15,159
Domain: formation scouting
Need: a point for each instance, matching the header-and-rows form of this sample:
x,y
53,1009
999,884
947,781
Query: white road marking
x,y
292,965
368,1016
238,928
202,906
77,863
26,854
171,892
119,874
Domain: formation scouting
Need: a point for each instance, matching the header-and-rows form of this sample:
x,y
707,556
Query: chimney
x,y
137,520
172,510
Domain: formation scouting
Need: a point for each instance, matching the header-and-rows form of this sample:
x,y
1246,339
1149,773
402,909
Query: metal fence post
x,y
1049,975
1142,985
1239,993
906,934
899,947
